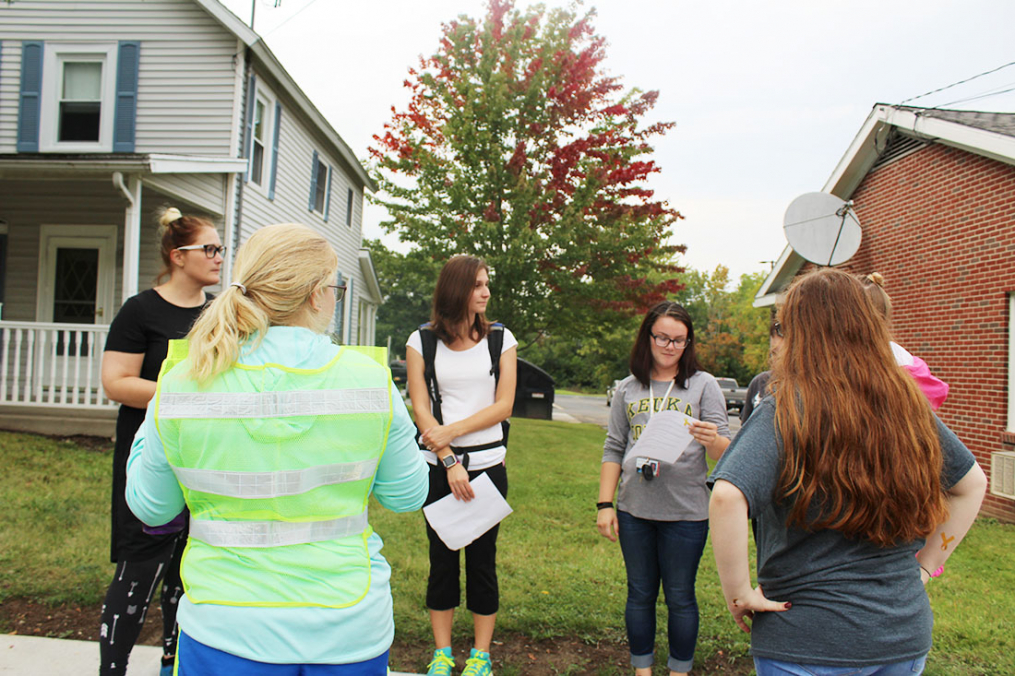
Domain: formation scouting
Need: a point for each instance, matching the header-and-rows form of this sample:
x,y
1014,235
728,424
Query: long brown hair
x,y
861,448
641,353
451,299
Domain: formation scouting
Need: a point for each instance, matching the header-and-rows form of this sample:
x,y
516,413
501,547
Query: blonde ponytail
x,y
274,275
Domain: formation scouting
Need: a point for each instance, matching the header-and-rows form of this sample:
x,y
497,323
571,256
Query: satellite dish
x,y
822,228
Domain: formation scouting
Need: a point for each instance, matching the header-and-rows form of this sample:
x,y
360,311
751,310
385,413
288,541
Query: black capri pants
x,y
442,588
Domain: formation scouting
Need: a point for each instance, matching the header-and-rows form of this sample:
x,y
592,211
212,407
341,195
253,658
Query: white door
x,y
76,284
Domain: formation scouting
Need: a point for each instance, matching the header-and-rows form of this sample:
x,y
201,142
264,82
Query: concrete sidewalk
x,y
37,656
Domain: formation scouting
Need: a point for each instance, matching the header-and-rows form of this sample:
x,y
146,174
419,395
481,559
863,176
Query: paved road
x,y
593,409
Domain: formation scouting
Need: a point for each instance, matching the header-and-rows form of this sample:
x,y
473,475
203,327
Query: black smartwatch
x,y
449,460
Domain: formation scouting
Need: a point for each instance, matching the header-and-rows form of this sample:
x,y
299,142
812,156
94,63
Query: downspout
x,y
234,236
131,237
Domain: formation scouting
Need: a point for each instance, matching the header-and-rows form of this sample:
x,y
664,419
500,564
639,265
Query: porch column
x,y
229,227
131,233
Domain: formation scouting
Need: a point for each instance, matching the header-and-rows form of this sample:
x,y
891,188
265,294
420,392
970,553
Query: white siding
x,y
29,204
202,191
187,73
292,194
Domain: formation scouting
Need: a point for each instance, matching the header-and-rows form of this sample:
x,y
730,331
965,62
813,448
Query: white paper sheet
x,y
460,523
666,436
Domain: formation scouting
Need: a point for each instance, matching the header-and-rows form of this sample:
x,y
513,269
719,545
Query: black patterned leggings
x,y
126,604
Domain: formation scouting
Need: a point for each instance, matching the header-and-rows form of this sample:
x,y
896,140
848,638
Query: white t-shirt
x,y
467,386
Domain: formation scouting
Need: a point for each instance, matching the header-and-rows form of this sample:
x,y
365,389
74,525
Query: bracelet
x,y
604,505
929,575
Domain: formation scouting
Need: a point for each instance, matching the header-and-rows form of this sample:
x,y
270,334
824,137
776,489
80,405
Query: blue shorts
x,y
197,659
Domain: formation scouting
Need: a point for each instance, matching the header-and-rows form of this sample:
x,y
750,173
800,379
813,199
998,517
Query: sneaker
x,y
441,664
478,664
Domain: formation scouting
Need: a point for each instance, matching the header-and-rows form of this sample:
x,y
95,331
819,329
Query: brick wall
x,y
939,224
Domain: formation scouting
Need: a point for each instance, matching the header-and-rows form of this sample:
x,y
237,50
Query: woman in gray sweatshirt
x,y
661,517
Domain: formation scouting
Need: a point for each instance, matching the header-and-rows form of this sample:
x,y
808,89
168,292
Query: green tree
x,y
517,148
407,282
731,334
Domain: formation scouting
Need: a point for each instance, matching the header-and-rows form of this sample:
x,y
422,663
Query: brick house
x,y
935,194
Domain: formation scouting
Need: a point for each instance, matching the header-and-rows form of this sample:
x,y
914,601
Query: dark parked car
x,y
398,373
735,395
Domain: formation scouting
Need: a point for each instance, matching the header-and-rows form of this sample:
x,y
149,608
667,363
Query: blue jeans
x,y
667,552
194,658
767,667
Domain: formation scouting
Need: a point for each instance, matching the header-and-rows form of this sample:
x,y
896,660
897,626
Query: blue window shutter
x,y
125,115
349,296
340,310
348,207
327,196
313,181
248,125
30,105
274,151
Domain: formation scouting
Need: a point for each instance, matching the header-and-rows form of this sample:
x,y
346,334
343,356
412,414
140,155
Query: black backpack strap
x,y
429,344
495,341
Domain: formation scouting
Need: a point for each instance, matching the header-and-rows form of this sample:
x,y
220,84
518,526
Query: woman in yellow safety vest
x,y
274,438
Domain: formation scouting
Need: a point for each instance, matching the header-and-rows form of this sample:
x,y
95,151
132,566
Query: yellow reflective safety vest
x,y
276,465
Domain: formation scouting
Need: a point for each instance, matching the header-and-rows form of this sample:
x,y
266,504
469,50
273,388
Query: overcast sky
x,y
767,95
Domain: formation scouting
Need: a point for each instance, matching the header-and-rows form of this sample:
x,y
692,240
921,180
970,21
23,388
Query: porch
x,y
77,238
50,379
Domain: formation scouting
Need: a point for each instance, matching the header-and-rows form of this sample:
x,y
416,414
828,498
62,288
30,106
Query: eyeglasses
x,y
663,341
339,290
210,250
777,327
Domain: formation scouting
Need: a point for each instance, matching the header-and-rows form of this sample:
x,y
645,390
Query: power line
x,y
289,19
978,97
956,84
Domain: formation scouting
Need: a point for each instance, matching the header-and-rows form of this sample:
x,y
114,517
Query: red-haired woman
x,y
466,443
848,474
135,349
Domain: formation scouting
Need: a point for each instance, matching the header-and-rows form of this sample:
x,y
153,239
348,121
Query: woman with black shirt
x,y
137,344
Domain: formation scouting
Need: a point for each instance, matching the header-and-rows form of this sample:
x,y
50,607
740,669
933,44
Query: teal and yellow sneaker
x,y
441,664
478,664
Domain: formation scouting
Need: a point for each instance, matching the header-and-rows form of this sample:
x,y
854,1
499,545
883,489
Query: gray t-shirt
x,y
679,492
854,603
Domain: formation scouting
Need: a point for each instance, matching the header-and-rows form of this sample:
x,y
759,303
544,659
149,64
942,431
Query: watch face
x,y
450,461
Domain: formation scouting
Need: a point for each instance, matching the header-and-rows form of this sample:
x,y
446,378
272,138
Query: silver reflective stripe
x,y
273,404
273,484
274,533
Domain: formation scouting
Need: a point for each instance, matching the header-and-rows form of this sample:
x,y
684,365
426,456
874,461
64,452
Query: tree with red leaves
x,y
517,148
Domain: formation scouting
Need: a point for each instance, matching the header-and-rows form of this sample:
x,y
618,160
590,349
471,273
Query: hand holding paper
x,y
458,523
665,437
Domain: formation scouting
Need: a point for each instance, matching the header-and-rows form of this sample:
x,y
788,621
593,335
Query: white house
x,y
109,110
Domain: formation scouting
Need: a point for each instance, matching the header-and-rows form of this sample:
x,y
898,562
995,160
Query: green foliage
x,y
731,335
515,147
407,282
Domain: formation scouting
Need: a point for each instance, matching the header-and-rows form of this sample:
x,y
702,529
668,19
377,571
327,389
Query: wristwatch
x,y
449,460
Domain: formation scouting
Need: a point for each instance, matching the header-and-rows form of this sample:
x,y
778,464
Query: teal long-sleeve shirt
x,y
290,635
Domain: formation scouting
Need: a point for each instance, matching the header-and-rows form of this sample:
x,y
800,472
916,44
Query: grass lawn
x,y
559,578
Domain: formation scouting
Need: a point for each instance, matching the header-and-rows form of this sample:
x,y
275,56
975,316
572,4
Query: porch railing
x,y
50,364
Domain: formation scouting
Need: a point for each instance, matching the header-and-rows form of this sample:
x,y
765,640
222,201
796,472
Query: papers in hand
x,y
666,436
459,523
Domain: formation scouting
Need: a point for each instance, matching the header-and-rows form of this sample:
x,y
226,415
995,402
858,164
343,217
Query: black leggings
x,y
481,589
126,604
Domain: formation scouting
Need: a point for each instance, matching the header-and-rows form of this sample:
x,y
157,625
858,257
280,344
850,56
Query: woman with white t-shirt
x,y
473,404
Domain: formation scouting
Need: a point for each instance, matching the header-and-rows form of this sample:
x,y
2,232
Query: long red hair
x,y
861,448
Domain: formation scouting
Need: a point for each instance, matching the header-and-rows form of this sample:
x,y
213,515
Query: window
x,y
320,186
257,151
78,97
